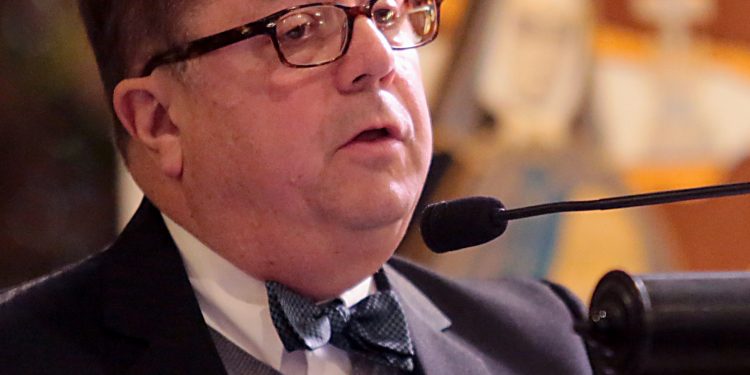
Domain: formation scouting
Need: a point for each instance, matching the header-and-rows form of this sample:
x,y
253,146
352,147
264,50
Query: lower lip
x,y
382,148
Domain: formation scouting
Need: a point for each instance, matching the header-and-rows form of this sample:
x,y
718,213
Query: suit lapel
x,y
146,296
438,352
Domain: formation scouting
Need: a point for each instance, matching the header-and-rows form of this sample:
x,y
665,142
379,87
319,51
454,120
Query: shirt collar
x,y
205,265
234,303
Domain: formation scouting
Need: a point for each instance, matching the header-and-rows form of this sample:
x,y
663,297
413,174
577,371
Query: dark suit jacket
x,y
131,310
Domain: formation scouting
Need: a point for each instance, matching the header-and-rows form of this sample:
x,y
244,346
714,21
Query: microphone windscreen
x,y
453,225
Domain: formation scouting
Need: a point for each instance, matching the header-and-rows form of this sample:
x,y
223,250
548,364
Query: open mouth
x,y
372,135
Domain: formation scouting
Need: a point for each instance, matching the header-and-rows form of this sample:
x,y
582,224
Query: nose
x,y
369,62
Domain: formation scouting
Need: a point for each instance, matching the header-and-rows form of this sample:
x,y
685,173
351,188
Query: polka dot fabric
x,y
374,328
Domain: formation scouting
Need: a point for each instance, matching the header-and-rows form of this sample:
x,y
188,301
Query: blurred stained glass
x,y
56,162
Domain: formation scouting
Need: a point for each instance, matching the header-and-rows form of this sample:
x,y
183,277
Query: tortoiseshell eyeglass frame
x,y
267,26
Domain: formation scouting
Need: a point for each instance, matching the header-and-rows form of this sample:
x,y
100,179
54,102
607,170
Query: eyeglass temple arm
x,y
204,45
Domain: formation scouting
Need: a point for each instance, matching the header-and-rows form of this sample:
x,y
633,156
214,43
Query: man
x,y
289,151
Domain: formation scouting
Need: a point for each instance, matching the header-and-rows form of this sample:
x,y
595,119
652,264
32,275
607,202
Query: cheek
x,y
407,66
409,82
274,152
250,174
267,134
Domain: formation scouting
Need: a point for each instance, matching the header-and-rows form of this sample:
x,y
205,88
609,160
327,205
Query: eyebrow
x,y
282,4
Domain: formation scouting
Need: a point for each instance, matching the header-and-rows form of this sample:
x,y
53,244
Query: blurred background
x,y
532,100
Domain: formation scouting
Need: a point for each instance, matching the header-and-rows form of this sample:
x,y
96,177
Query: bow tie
x,y
375,327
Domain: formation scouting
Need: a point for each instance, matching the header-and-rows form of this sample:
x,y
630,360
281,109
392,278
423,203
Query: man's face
x,y
294,164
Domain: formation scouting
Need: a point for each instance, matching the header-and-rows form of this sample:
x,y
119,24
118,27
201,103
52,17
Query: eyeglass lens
x,y
318,34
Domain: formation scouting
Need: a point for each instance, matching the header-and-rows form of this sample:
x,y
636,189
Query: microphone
x,y
453,225
669,324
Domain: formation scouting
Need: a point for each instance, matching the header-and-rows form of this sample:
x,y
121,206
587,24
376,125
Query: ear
x,y
144,112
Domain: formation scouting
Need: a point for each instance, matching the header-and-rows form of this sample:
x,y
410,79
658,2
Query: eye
x,y
385,16
296,27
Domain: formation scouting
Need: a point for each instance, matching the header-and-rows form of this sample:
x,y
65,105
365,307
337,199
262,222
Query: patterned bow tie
x,y
375,327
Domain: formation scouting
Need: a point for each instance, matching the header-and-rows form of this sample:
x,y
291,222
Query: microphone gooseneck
x,y
453,225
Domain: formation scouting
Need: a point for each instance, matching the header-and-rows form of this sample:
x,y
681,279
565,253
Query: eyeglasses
x,y
317,34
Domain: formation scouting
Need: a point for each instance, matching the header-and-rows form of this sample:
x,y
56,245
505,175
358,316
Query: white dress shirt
x,y
236,305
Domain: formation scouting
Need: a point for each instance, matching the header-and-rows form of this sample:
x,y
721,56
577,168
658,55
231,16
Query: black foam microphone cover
x,y
453,225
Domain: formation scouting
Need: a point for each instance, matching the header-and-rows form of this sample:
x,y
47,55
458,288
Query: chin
x,y
376,211
368,201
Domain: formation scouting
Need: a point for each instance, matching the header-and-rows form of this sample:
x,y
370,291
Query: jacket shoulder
x,y
502,294
70,282
50,319
523,323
